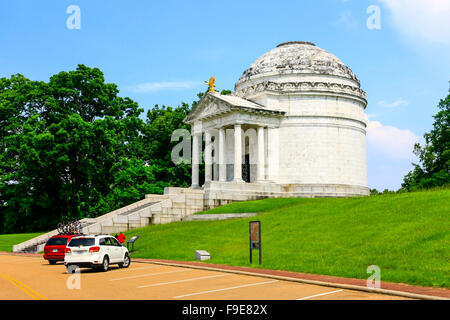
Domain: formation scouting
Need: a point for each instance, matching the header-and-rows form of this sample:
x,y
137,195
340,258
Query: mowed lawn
x,y
407,235
8,240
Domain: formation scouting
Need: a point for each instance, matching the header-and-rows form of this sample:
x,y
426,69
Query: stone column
x,y
260,166
216,156
272,154
237,153
195,160
208,157
222,157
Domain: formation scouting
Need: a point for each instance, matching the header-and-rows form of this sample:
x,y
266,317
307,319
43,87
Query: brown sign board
x,y
255,238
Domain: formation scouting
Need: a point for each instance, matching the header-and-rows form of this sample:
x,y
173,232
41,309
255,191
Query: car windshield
x,y
85,242
57,242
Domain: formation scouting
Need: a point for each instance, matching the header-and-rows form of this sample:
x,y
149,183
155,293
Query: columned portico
x,y
216,166
236,130
219,160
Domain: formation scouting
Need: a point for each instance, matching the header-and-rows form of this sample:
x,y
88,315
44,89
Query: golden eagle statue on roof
x,y
211,84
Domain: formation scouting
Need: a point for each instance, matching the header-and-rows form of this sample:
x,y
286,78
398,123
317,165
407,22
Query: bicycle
x,y
74,227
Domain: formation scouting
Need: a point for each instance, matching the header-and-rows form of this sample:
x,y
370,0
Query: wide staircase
x,y
174,205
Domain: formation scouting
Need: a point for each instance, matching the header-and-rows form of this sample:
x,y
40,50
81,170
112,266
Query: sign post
x,y
255,238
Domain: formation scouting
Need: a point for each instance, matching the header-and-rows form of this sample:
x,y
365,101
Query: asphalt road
x,y
28,278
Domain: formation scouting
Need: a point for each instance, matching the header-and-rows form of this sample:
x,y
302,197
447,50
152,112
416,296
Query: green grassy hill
x,y
406,235
8,240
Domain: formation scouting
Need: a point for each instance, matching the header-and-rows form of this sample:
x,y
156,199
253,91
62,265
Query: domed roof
x,y
297,57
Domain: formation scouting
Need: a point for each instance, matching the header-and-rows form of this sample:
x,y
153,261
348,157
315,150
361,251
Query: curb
x,y
300,280
25,254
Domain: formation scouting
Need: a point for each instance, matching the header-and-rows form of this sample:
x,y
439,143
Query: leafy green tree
x,y
434,156
64,147
161,122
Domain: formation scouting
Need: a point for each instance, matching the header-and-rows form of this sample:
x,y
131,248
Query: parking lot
x,y
31,277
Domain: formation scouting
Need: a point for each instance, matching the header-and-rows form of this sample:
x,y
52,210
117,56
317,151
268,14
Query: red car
x,y
55,247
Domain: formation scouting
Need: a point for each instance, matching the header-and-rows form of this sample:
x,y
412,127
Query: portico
x,y
236,142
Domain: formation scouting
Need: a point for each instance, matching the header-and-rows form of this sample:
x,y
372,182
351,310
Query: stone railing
x,y
219,216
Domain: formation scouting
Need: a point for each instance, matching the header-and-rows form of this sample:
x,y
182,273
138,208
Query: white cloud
x,y
421,20
395,104
151,87
390,142
389,155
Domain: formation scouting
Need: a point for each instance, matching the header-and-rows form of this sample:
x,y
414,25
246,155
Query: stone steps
x,y
174,205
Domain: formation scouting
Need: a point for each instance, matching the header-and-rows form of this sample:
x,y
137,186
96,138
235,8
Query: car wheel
x,y
126,261
105,265
52,261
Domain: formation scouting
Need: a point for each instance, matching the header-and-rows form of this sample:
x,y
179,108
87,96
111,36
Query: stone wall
x,y
221,193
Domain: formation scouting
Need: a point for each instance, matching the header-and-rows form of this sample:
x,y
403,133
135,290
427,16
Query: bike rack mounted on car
x,y
70,228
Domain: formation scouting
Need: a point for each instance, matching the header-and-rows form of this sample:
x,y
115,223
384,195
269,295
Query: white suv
x,y
95,252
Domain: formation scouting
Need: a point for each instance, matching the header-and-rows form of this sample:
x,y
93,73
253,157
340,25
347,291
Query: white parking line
x,y
118,271
149,274
134,269
223,289
321,294
186,280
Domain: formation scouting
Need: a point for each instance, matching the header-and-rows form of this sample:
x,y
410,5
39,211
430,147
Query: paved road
x,y
26,278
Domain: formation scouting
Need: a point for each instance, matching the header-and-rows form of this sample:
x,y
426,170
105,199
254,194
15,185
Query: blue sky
x,y
161,52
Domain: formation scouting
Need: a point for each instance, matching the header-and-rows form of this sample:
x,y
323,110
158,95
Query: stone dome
x,y
297,58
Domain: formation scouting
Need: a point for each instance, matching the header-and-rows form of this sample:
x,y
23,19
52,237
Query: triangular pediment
x,y
214,104
208,106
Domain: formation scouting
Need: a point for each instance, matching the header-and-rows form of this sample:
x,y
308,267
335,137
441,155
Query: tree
x,y
64,147
434,156
161,122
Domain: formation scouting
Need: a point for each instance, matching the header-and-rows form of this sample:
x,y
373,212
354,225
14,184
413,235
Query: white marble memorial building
x,y
294,127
